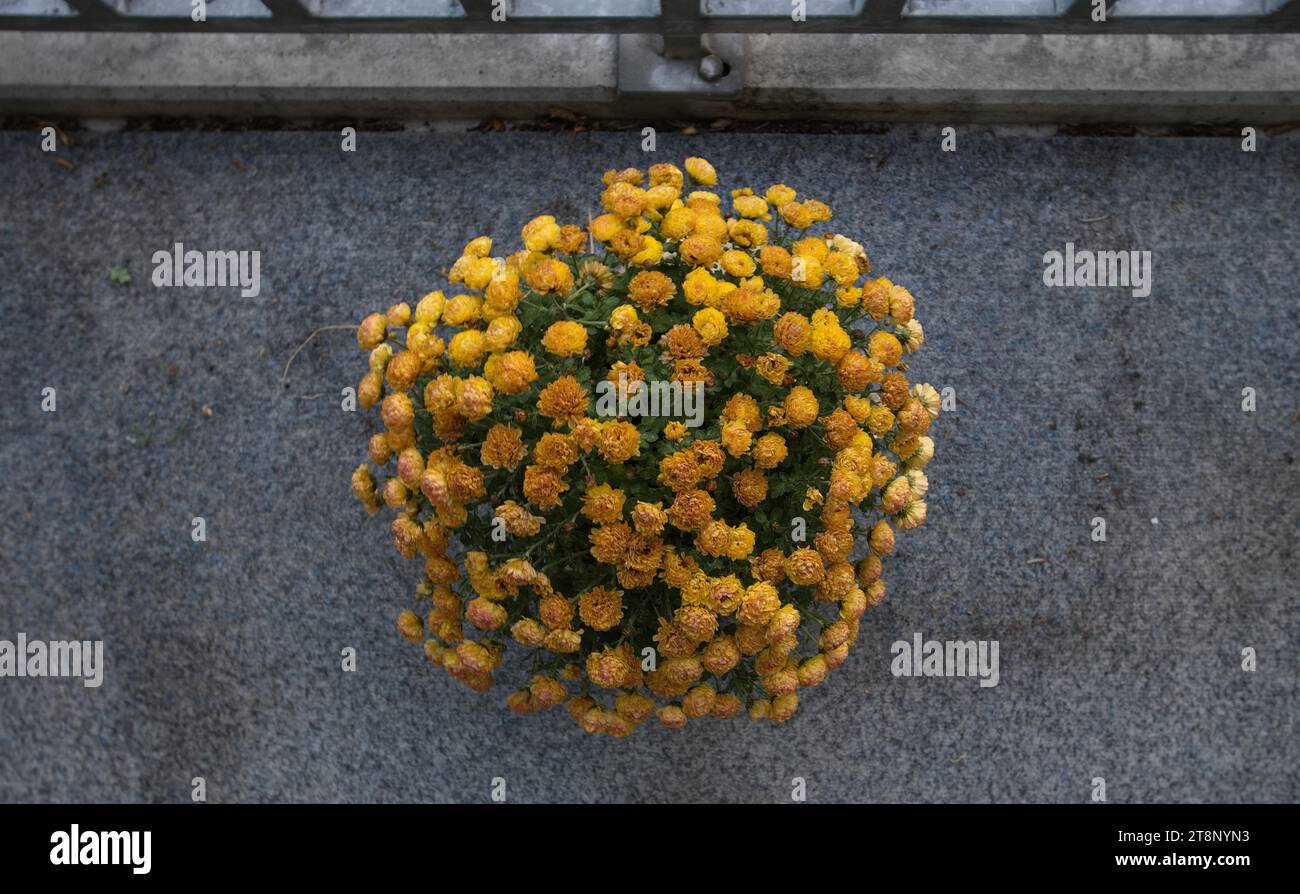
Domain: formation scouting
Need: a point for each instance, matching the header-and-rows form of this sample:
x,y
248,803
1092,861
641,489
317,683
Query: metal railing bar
x,y
1287,11
96,10
680,28
292,10
477,10
878,11
1081,11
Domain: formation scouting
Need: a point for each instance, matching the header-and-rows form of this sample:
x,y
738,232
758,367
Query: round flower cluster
x,y
650,563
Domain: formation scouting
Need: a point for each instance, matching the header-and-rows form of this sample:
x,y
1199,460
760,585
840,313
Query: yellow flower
x,y
807,271
678,223
397,411
856,371
740,542
875,297
372,331
684,343
793,332
748,233
624,199
772,367
606,227
912,336
660,197
503,294
512,372
881,538
800,407
736,438
738,263
928,397
701,171
467,348
880,420
759,604
699,701
780,194
402,370
665,173
797,214
430,307
884,348
702,201
711,325
478,247
830,342
550,275
700,250
783,707
924,453
540,233
675,431
901,304
565,338
700,287
751,206
478,272
842,268
672,716
555,451
609,543
770,451
690,510
912,515
503,447
805,567
651,253
623,318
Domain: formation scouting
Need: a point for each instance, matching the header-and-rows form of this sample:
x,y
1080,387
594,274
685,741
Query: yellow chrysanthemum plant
x,y
650,564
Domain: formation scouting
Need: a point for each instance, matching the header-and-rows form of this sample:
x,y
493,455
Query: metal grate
x,y
679,23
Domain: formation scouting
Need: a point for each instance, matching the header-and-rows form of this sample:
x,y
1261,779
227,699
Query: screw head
x,y
712,67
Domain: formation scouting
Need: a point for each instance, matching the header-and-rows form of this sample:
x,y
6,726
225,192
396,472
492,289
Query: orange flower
x,y
619,441
651,289
804,567
543,486
800,407
503,447
563,400
512,372
601,608
603,504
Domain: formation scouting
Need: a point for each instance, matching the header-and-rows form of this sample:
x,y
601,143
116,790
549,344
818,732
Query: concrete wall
x,y
1214,78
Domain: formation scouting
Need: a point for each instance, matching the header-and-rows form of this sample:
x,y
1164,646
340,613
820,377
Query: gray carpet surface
x,y
1119,660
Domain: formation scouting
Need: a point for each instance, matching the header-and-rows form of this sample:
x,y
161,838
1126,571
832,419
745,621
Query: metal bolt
x,y
712,67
